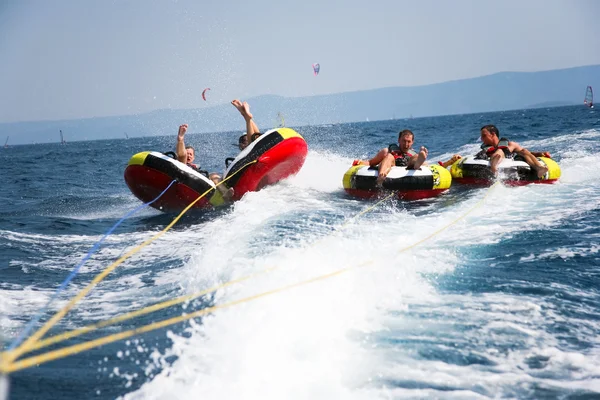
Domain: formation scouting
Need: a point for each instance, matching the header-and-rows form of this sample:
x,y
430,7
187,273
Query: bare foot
x,y
246,112
380,178
237,104
421,157
243,108
542,171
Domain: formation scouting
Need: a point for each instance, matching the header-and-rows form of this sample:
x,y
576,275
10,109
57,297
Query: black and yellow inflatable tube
x,y
429,181
471,171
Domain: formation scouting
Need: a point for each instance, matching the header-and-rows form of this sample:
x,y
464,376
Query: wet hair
x,y
190,147
491,129
406,132
242,139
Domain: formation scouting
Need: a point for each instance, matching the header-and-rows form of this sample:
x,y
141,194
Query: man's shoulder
x,y
512,144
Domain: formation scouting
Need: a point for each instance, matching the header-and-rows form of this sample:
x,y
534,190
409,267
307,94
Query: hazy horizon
x,y
71,60
291,97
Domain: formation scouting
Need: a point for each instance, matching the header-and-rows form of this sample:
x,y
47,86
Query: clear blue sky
x,y
65,59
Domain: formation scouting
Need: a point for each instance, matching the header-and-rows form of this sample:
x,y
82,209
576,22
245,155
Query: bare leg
x,y
379,157
534,163
254,126
384,168
375,160
244,109
227,193
419,159
496,158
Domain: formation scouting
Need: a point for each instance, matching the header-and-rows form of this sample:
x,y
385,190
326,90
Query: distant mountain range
x,y
501,91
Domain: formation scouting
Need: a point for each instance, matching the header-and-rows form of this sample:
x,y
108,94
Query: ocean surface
x,y
480,293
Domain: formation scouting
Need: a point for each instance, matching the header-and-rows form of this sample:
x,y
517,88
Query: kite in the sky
x,y
204,93
316,68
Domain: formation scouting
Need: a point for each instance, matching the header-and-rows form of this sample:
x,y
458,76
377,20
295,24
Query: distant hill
x,y
501,91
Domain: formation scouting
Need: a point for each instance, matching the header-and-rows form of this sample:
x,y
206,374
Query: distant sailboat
x,y
6,143
589,97
126,137
62,139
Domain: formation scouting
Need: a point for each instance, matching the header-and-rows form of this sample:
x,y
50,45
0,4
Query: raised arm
x,y
251,127
181,152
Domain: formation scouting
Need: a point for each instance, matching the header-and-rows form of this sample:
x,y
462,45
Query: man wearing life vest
x,y
401,156
496,149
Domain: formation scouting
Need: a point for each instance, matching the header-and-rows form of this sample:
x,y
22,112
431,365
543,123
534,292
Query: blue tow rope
x,y
69,278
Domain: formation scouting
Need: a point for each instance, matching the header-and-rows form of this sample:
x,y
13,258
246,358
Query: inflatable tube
x,y
470,171
275,155
410,184
149,173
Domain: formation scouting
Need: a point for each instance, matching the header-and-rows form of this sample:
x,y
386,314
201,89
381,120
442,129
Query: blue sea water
x,y
503,303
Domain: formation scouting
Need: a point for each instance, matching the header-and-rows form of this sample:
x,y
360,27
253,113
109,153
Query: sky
x,y
70,59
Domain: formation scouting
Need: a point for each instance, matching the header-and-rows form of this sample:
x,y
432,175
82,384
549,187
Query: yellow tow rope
x,y
12,366
9,356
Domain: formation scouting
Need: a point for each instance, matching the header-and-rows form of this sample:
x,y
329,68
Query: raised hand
x,y
182,130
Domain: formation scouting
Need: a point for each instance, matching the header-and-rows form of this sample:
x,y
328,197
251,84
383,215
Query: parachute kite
x,y
204,93
316,68
589,97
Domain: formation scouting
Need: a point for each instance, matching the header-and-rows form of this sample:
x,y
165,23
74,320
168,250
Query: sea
x,y
481,293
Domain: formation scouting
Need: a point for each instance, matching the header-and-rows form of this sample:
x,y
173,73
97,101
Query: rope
x,y
25,332
70,350
138,313
66,351
160,306
11,355
365,211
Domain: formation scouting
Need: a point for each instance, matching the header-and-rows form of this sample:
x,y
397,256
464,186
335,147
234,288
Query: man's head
x,y
243,142
490,135
405,140
190,154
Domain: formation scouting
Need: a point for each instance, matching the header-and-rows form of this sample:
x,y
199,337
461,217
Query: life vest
x,y
487,151
197,168
401,159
